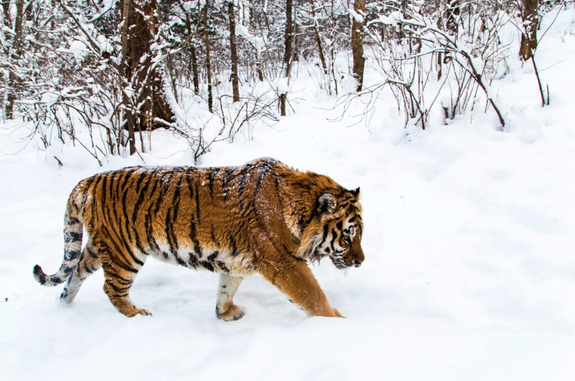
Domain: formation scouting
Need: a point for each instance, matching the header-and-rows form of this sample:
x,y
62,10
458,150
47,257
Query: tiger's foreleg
x,y
294,278
120,272
89,263
225,307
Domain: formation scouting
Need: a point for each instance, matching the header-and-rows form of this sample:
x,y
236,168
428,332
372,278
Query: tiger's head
x,y
335,231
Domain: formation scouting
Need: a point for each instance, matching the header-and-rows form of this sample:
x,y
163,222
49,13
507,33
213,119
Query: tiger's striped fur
x,y
261,217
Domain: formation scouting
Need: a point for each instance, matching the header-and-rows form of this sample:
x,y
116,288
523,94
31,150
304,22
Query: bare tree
x,y
144,101
288,53
14,55
357,42
208,61
530,19
234,53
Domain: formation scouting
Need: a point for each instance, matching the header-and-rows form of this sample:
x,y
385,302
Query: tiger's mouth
x,y
342,263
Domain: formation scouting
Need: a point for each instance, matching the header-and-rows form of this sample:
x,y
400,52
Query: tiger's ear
x,y
355,193
326,203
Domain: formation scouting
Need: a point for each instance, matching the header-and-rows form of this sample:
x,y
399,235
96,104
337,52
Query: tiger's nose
x,y
357,263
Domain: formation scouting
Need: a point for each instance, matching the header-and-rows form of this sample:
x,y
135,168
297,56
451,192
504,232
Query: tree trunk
x,y
146,106
208,64
531,21
193,59
233,48
6,9
357,43
125,72
288,52
15,52
195,70
318,37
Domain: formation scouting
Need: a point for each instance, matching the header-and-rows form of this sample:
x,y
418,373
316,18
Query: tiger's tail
x,y
73,230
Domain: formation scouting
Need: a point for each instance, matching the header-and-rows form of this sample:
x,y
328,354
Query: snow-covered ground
x,y
469,242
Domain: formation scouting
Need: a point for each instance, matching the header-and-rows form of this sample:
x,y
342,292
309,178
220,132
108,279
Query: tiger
x,y
262,217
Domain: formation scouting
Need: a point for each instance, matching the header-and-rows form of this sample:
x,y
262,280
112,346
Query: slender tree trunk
x,y
233,48
196,79
126,73
318,37
193,59
208,64
15,52
531,20
288,52
357,43
288,37
6,9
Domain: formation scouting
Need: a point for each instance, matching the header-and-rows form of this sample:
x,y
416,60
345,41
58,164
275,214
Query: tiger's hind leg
x,y
120,272
225,307
89,263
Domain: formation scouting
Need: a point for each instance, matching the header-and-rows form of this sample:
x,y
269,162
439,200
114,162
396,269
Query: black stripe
x,y
133,256
213,235
324,236
123,265
148,223
194,238
165,181
207,265
102,182
198,199
70,236
171,219
193,192
170,236
180,261
333,238
265,169
141,197
222,266
234,252
92,251
72,221
193,189
214,172
121,195
123,281
86,190
122,290
110,201
141,192
213,257
226,179
243,177
70,255
193,260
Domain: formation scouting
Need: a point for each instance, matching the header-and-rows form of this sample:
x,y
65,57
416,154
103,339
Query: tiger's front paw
x,y
338,314
232,313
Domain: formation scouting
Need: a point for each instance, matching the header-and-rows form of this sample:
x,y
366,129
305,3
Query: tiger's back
x,y
230,220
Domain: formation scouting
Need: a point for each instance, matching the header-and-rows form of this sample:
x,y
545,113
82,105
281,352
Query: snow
x,y
469,270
